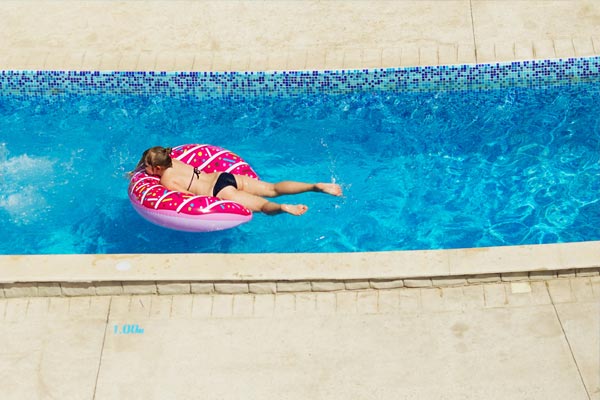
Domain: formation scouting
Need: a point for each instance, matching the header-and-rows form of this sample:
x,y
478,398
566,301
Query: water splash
x,y
22,182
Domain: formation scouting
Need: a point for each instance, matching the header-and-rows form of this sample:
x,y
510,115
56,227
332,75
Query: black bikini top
x,y
197,173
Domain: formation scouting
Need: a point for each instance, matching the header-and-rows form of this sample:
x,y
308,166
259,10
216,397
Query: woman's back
x,y
182,177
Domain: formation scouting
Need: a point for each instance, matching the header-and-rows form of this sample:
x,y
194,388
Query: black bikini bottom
x,y
224,180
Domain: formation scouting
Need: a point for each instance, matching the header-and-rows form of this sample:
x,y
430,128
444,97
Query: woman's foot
x,y
294,209
329,188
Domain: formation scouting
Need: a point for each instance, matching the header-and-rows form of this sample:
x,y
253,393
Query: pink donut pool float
x,y
187,212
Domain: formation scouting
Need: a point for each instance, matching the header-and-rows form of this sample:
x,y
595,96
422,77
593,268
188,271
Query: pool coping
x,y
91,274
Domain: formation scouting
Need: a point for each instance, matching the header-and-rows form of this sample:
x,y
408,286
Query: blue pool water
x,y
432,170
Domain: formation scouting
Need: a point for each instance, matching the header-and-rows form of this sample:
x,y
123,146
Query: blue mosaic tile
x,y
235,85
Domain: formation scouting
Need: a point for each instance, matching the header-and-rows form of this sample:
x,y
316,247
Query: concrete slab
x,y
385,344
546,29
49,355
581,323
474,353
250,35
239,35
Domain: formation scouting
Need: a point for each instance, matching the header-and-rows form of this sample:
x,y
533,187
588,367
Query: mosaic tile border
x,y
237,85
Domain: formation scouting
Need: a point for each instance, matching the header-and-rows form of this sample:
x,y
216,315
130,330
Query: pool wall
x,y
237,85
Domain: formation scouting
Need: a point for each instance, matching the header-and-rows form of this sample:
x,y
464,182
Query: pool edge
x,y
72,275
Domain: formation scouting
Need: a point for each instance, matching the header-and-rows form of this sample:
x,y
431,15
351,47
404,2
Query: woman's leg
x,y
266,189
257,203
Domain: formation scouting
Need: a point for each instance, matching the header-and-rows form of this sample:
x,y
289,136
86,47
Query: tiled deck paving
x,y
534,340
290,35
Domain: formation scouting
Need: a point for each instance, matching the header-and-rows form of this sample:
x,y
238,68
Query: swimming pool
x,y
429,158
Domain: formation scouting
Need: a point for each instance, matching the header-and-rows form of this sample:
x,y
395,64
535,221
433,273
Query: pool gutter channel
x,y
173,274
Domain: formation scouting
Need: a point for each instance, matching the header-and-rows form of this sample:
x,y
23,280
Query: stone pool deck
x,y
509,323
290,35
498,340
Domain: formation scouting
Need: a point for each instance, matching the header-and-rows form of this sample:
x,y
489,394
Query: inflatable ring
x,y
184,211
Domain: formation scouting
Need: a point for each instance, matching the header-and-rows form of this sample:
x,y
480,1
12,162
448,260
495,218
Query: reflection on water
x,y
419,171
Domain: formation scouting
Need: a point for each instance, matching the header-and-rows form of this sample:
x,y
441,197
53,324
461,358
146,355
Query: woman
x,y
178,176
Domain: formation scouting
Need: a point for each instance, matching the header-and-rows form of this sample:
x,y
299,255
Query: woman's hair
x,y
155,157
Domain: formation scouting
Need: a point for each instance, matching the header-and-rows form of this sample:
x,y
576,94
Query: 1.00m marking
x,y
127,329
